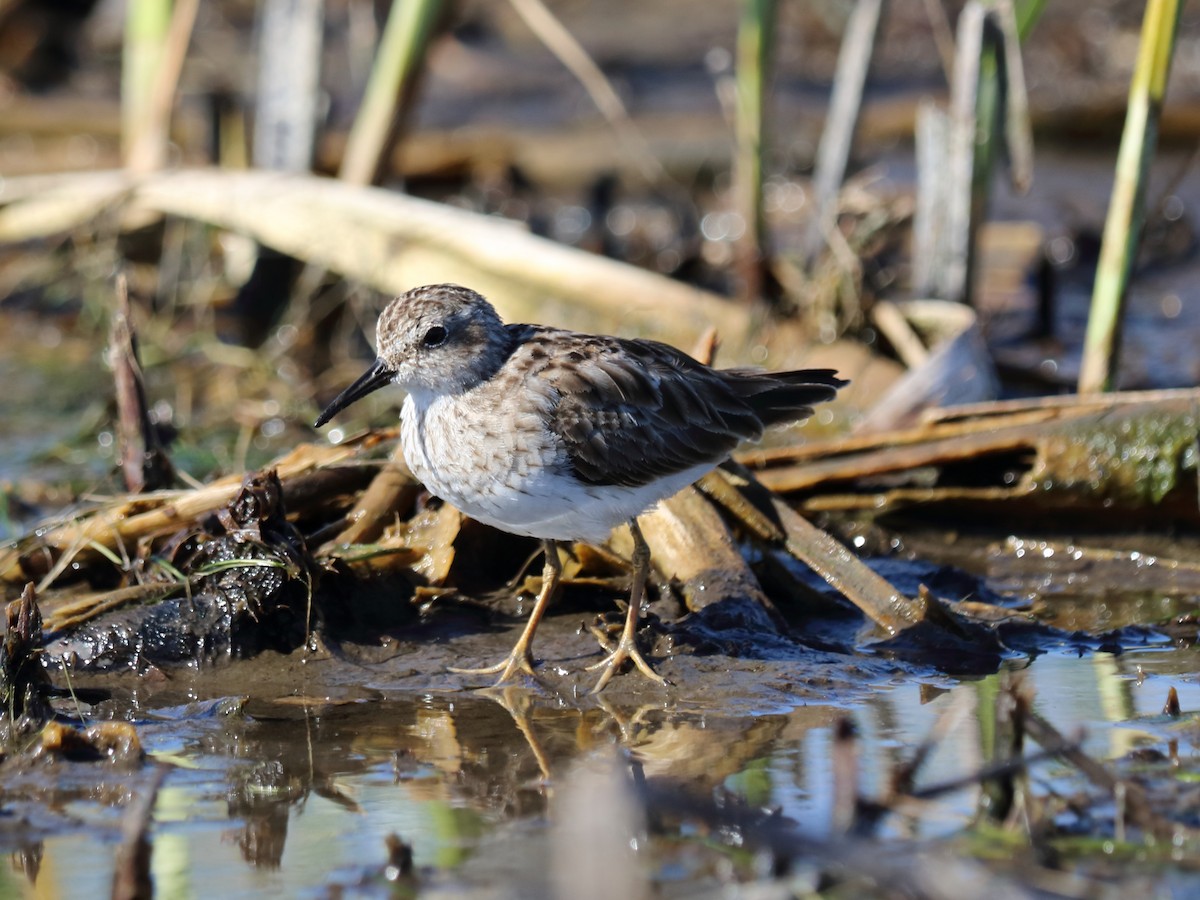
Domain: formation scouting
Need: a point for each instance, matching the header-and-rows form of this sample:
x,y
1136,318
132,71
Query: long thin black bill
x,y
371,380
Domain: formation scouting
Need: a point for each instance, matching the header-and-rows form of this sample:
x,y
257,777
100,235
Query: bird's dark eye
x,y
434,337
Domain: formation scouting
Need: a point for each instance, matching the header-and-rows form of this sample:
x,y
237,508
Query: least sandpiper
x,y
559,435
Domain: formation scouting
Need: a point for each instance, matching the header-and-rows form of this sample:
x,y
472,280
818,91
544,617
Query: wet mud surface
x,y
289,772
366,769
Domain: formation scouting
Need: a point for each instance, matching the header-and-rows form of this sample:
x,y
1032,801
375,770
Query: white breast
x,y
510,472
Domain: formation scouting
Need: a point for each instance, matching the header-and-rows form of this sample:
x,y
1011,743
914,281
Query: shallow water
x,y
294,796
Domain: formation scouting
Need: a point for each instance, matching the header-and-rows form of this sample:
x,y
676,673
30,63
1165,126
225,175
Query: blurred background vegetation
x,y
791,173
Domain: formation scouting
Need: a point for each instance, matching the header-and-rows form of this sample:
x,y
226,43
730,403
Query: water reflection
x,y
288,797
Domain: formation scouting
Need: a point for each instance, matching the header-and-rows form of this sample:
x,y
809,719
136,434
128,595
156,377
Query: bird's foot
x,y
520,660
625,651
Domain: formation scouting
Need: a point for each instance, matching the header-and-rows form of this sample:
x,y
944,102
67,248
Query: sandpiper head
x,y
438,339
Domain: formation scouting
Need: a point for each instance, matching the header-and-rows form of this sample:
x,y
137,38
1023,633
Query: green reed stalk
x,y
1122,228
755,31
146,25
401,52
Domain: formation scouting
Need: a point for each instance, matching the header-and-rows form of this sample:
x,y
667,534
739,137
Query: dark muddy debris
x,y
114,742
24,685
942,636
85,543
239,579
246,581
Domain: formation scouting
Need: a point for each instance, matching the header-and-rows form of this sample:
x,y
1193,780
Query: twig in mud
x,y
391,490
85,609
737,491
144,461
23,680
67,555
133,518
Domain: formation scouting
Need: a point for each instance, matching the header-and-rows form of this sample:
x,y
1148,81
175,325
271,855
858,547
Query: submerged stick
x,y
394,488
840,568
1137,805
131,866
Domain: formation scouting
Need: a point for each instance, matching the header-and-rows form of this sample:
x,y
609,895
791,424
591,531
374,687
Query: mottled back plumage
x,y
632,411
559,434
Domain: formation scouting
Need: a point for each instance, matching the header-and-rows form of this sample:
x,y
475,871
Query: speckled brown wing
x,y
631,411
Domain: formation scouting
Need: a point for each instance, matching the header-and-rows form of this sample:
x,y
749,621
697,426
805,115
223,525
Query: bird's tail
x,y
782,397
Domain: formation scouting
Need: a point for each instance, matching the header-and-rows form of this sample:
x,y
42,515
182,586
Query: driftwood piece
x,y
384,239
1115,457
69,612
770,519
390,491
689,542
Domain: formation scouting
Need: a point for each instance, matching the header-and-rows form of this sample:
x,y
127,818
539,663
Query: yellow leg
x,y
521,657
627,648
